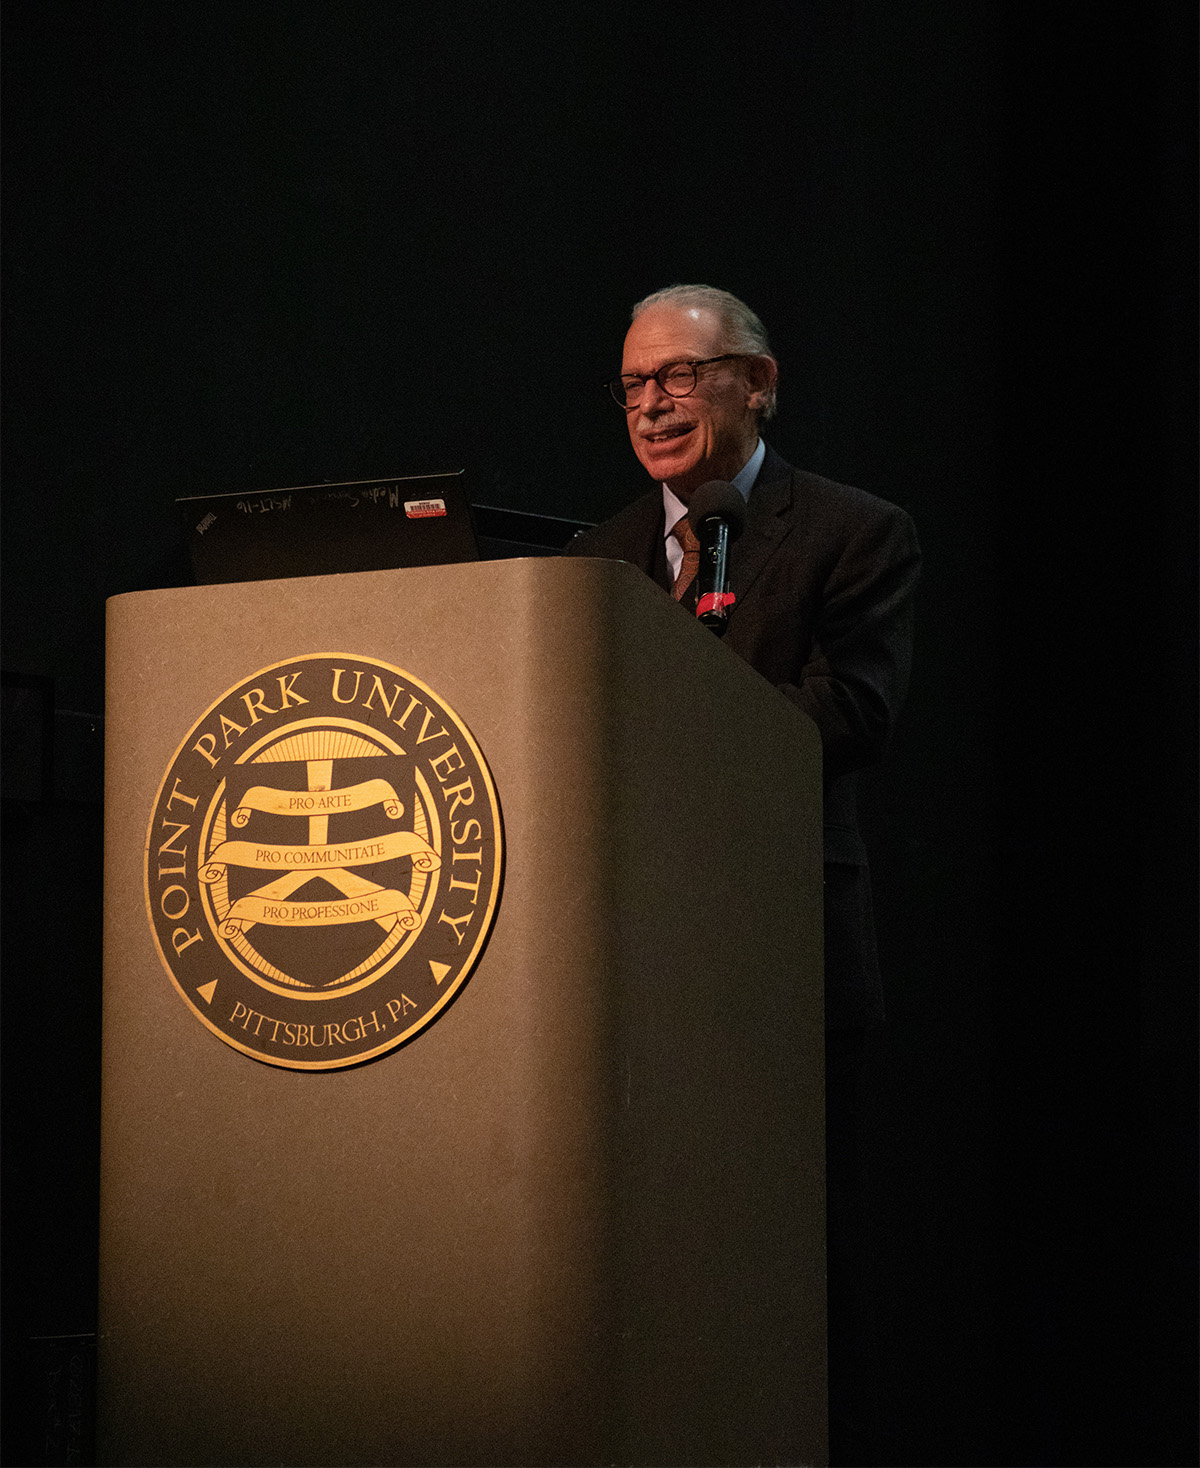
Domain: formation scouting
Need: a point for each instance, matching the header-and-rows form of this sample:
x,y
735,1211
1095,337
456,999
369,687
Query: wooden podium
x,y
579,1218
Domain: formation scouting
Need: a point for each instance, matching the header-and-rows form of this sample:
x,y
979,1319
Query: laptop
x,y
329,529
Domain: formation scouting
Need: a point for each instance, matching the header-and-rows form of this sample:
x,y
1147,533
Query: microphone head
x,y
718,500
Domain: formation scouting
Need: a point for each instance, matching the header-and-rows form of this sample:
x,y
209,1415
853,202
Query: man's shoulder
x,y
820,493
626,533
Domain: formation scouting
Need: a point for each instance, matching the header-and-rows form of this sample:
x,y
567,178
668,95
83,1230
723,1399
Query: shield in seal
x,y
323,861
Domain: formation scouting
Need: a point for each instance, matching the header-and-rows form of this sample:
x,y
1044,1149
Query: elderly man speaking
x,y
823,577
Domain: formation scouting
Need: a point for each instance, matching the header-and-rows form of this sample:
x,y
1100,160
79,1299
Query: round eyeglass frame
x,y
617,389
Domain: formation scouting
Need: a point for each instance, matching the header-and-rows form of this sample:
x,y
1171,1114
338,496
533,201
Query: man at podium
x,y
823,574
823,578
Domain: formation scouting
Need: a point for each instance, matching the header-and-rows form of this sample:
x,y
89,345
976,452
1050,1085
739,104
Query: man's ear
x,y
762,372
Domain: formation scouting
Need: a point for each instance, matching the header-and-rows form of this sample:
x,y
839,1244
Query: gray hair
x,y
744,332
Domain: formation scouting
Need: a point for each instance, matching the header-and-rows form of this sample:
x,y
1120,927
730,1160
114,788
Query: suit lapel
x,y
766,528
660,570
651,553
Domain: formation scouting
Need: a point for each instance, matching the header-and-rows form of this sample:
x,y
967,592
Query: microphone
x,y
717,513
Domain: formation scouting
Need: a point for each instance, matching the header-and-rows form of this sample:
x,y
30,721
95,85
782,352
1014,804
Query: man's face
x,y
710,434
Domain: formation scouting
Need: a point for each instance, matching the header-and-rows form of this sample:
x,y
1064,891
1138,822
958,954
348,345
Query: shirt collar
x,y
742,481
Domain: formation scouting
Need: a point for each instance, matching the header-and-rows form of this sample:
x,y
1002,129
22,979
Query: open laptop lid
x,y
328,529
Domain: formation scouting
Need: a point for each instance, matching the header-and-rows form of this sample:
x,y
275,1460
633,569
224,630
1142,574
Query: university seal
x,y
323,861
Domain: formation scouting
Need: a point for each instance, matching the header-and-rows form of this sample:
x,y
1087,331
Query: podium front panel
x,y
578,1218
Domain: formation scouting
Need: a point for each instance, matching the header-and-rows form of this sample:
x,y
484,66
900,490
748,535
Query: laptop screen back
x,y
329,529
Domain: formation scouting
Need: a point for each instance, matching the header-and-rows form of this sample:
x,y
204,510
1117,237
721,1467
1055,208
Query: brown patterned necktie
x,y
686,536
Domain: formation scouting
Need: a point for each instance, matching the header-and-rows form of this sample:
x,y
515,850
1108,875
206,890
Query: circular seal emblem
x,y
323,861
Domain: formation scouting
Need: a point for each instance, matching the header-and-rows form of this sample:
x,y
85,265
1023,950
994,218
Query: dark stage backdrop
x,y
278,243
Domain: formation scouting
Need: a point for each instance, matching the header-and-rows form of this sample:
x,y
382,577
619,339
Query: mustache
x,y
662,424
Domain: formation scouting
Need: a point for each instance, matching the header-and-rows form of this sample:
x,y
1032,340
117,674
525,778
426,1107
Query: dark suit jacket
x,y
824,577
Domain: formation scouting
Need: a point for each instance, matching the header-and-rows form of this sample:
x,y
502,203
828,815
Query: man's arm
x,y
631,535
855,677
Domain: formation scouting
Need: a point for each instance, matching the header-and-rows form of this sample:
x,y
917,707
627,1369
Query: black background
x,y
274,244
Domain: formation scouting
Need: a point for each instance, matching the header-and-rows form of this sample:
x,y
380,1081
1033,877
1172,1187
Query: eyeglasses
x,y
676,379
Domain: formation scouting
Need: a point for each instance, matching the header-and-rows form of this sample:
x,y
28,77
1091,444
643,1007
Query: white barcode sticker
x,y
420,509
